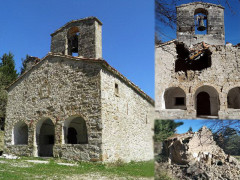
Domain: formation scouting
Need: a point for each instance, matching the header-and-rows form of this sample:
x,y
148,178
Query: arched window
x,y
73,36
75,131
233,98
207,101
20,133
201,23
175,98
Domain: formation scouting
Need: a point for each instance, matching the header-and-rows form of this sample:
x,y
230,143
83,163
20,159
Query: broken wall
x,y
219,79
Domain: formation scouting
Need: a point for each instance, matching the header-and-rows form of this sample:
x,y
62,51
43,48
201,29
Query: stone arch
x,y
233,98
175,98
72,41
201,21
75,130
207,101
45,137
20,133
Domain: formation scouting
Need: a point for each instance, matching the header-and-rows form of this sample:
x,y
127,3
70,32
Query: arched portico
x,y
233,98
175,98
20,133
207,101
45,137
75,131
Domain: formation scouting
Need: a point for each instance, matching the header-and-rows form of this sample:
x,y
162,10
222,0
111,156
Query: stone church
x,y
72,104
197,75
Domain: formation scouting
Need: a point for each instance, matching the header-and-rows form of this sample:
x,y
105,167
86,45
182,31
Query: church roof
x,y
203,3
78,20
92,60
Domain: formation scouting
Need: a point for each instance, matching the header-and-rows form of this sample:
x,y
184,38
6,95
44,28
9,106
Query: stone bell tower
x,y
81,38
198,21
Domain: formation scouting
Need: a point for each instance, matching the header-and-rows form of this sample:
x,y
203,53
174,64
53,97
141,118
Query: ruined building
x,y
197,75
197,156
72,104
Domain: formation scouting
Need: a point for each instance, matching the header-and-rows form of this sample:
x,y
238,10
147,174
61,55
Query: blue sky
x,y
195,124
215,125
128,32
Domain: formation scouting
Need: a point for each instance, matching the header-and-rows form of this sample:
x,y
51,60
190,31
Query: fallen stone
x,y
67,164
38,161
9,156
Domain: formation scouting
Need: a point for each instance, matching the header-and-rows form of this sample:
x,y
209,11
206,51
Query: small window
x,y
179,101
116,89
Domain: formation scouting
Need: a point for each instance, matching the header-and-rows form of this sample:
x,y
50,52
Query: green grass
x,y
1,140
20,169
237,157
163,176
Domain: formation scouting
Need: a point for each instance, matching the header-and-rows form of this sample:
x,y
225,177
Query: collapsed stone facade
x,y
196,156
79,107
197,75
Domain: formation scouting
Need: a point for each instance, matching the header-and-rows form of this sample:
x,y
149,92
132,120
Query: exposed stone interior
x,y
205,70
196,156
78,108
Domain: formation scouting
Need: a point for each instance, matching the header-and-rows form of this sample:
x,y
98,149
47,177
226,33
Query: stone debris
x,y
9,156
197,156
67,164
38,161
98,176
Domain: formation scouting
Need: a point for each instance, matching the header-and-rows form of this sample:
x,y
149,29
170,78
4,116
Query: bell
x,y
201,26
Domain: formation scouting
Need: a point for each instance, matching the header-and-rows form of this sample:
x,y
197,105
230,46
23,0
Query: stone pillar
x,y
190,104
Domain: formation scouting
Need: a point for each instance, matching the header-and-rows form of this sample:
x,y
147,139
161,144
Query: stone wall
x,y
57,88
218,79
127,122
186,23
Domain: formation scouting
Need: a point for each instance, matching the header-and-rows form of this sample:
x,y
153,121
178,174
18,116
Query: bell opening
x,y
200,18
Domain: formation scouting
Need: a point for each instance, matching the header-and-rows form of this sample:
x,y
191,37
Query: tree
x,y
228,140
24,64
7,70
7,75
165,128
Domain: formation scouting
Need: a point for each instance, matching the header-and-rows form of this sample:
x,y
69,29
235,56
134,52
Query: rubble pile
x,y
196,156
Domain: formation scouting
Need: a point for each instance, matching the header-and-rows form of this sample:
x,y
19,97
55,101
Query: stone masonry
x,y
78,107
197,156
186,24
195,79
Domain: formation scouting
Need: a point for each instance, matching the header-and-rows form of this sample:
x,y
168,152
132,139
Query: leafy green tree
x,y
7,69
24,64
8,74
165,128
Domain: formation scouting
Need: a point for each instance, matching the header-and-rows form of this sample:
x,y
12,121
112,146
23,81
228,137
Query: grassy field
x,y
1,140
237,157
21,169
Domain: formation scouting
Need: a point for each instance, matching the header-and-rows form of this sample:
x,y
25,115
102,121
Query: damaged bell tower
x,y
197,74
198,22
